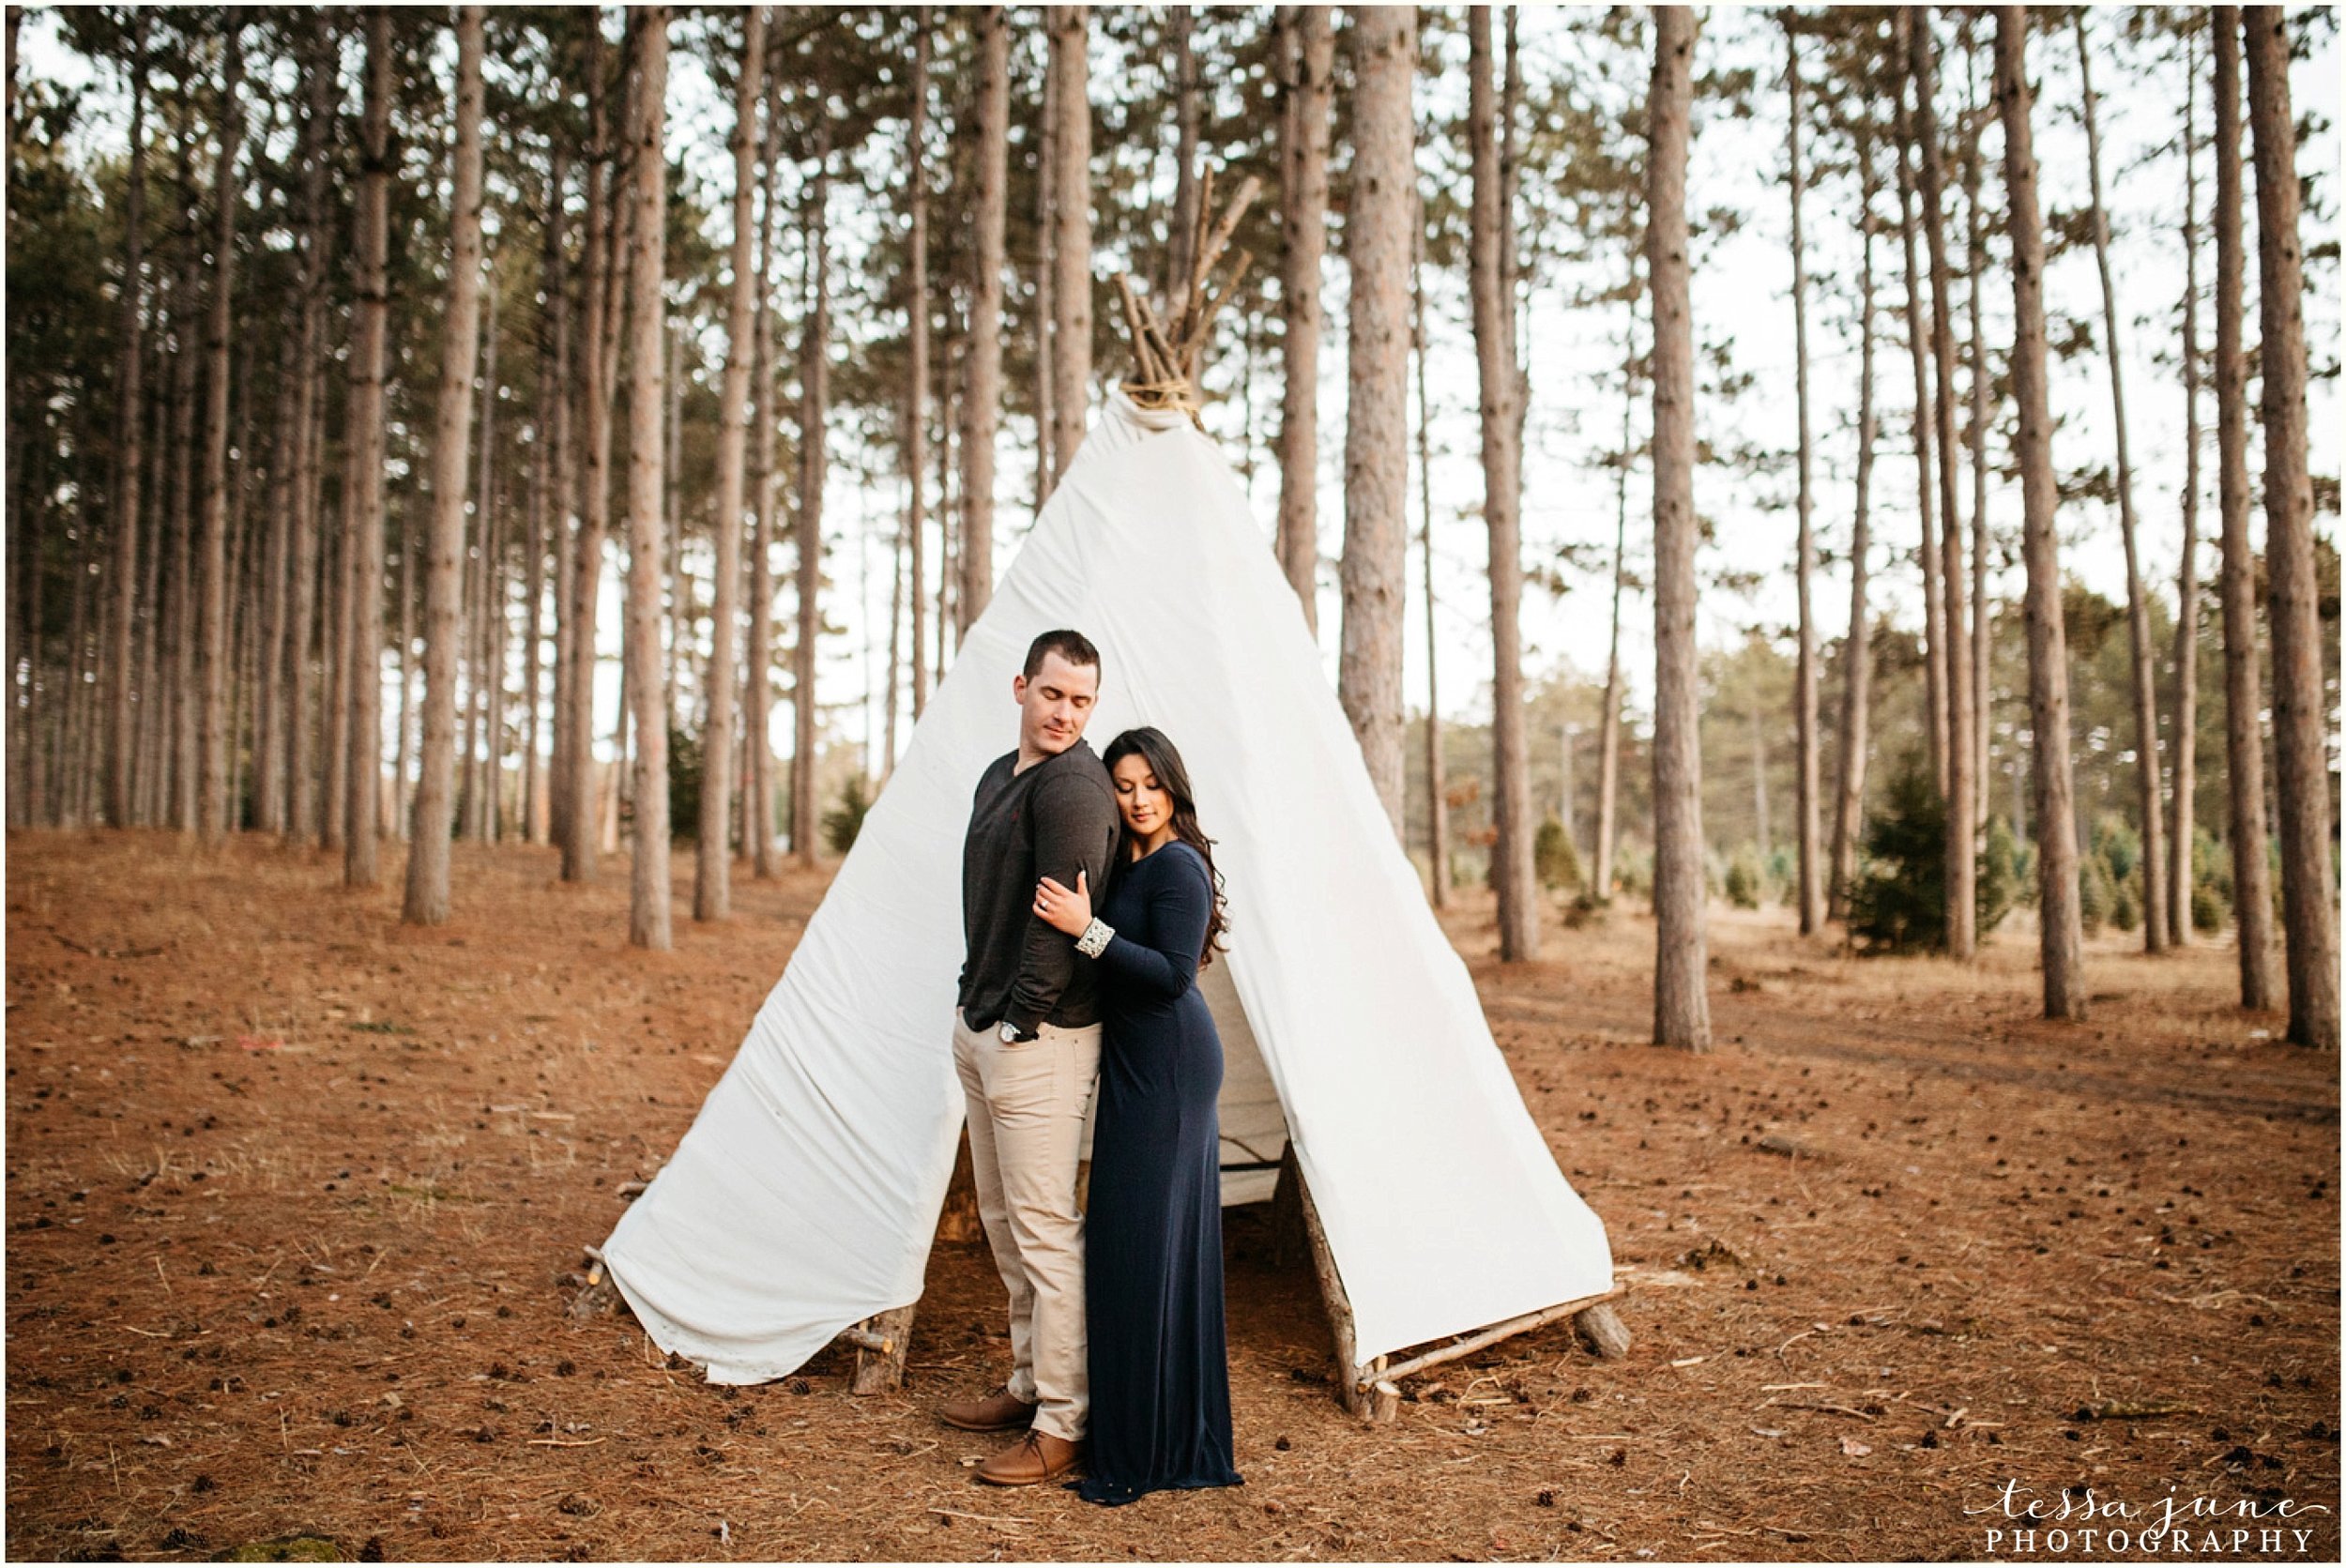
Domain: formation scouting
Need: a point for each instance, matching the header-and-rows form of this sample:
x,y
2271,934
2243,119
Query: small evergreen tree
x,y
1553,856
2096,894
2119,845
2211,882
2126,906
1744,878
2115,844
1898,903
684,783
842,822
2005,867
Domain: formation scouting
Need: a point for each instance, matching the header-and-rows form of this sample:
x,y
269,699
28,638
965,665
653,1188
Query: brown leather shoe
x,y
1035,1458
997,1411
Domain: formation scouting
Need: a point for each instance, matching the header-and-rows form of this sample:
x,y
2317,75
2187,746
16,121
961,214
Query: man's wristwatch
x,y
1011,1035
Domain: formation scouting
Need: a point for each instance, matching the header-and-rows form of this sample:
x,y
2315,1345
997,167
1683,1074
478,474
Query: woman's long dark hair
x,y
1151,745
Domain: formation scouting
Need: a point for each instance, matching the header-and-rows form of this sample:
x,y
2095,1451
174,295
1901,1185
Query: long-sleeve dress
x,y
1160,1370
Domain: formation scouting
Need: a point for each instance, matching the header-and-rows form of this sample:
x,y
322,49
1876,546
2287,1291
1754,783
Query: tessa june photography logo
x,y
2025,1522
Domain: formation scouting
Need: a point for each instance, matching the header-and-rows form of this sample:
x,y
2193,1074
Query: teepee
x,y
801,1203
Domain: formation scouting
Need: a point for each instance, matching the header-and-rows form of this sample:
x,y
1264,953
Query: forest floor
x,y
292,1194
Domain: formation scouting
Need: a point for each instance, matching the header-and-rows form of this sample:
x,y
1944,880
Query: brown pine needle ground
x,y
292,1195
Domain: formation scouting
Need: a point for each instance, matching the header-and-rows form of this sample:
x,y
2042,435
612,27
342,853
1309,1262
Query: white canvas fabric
x,y
805,1194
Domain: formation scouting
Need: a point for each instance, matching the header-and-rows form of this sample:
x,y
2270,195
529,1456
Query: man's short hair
x,y
1073,646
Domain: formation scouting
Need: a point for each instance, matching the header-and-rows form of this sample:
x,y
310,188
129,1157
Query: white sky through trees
x,y
1740,302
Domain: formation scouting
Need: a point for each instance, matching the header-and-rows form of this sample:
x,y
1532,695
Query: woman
x,y
1160,1375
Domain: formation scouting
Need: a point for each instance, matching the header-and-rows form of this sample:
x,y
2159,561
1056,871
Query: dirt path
x,y
292,1194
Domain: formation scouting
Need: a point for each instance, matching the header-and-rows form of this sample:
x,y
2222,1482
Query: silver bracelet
x,y
1095,938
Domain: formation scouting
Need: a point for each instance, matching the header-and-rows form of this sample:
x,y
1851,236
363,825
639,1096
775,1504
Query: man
x,y
1027,1045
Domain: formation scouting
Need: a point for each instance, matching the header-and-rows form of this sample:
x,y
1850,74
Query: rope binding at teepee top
x,y
1166,355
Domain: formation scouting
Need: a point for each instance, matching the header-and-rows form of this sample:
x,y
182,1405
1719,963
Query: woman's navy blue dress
x,y
1153,1236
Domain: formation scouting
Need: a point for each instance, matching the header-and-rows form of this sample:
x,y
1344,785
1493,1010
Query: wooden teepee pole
x,y
1166,354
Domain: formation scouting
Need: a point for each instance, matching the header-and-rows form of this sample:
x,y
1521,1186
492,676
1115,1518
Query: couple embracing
x,y
1090,903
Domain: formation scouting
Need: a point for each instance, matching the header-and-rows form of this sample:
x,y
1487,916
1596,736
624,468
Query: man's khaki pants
x,y
1026,1107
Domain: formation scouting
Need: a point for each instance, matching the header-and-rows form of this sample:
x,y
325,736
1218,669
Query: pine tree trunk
x,y
581,825
151,708
1071,232
1436,784
813,411
1307,57
2181,833
1512,877
1809,896
1962,810
712,874
648,909
533,589
1849,810
2060,939
950,412
1926,476
917,369
211,817
549,489
1182,237
1046,463
427,891
179,634
982,402
2300,732
473,575
300,765
1609,721
267,743
69,674
160,713
1377,366
404,748
96,717
617,778
563,492
123,574
336,802
1510,193
679,618
2243,697
2150,796
23,518
29,750
758,688
363,494
895,655
1983,616
472,564
67,786
327,757
495,570
1682,1006
89,640
243,574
